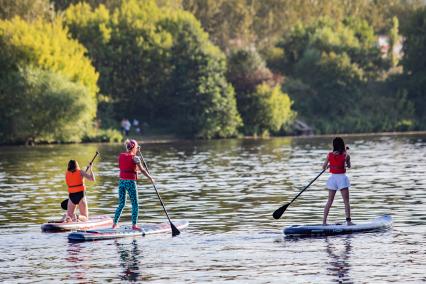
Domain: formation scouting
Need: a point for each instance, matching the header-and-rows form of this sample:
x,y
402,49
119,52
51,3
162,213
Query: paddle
x,y
280,211
175,230
64,204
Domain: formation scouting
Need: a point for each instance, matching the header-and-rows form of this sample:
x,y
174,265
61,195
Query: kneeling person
x,y
74,178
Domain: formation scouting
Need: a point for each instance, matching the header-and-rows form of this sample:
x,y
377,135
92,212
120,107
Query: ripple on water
x,y
228,190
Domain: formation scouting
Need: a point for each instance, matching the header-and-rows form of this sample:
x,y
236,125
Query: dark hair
x,y
72,166
339,145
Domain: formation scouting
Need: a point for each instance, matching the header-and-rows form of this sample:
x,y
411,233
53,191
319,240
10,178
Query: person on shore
x,y
129,164
74,178
136,126
125,126
337,161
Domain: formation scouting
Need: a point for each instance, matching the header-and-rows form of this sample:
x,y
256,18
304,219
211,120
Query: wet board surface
x,y
93,223
125,231
380,223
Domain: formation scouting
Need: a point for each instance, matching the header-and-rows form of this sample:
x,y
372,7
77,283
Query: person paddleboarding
x,y
338,160
129,164
74,178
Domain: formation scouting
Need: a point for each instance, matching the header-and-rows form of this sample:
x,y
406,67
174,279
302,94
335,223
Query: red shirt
x,y
127,166
337,163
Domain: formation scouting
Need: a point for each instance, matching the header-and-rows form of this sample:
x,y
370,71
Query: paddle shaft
x,y
159,197
307,186
91,162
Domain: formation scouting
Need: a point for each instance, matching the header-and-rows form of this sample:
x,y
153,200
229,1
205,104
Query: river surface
x,y
227,190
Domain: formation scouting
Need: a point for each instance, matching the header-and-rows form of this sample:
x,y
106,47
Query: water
x,y
227,190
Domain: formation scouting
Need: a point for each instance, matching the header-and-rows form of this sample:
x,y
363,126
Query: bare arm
x,y
348,161
145,172
325,164
89,174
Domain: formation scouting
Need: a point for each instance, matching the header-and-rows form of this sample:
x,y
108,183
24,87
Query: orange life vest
x,y
74,181
127,167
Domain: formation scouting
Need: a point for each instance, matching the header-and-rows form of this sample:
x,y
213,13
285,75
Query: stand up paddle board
x,y
93,223
380,223
125,231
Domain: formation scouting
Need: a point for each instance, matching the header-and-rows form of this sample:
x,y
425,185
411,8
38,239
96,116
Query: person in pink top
x,y
129,164
338,160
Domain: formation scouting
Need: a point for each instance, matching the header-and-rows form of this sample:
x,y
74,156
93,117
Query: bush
x,y
47,86
158,64
266,110
42,106
335,75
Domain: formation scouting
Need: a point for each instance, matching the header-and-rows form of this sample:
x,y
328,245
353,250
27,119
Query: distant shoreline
x,y
159,139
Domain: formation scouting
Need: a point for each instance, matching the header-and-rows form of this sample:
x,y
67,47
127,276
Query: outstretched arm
x,y
145,172
89,174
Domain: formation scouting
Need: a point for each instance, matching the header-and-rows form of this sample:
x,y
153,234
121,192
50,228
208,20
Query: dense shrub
x,y
47,86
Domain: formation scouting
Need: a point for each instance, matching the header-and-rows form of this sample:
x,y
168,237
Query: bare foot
x,y
136,228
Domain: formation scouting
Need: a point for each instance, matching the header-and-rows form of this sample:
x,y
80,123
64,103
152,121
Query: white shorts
x,y
338,181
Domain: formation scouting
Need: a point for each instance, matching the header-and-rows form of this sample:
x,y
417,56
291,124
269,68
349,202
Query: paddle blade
x,y
64,204
280,211
175,230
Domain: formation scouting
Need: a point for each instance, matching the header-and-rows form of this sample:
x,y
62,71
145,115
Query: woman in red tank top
x,y
338,161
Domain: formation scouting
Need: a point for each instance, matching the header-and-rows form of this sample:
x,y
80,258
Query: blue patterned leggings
x,y
131,188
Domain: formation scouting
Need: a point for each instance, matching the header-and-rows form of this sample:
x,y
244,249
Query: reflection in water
x,y
129,260
77,260
339,265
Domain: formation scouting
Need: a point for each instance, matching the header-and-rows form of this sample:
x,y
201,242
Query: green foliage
x,y
43,106
239,23
247,70
46,46
414,63
333,66
48,88
265,110
155,62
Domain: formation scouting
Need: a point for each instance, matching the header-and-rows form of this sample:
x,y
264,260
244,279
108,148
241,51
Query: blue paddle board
x,y
380,223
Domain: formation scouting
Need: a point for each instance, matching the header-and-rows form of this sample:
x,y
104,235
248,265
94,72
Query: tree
x,y
263,107
414,77
43,73
265,110
331,67
156,61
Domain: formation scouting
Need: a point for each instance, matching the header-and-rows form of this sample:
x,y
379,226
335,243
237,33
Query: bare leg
x,y
70,211
84,210
345,196
331,194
